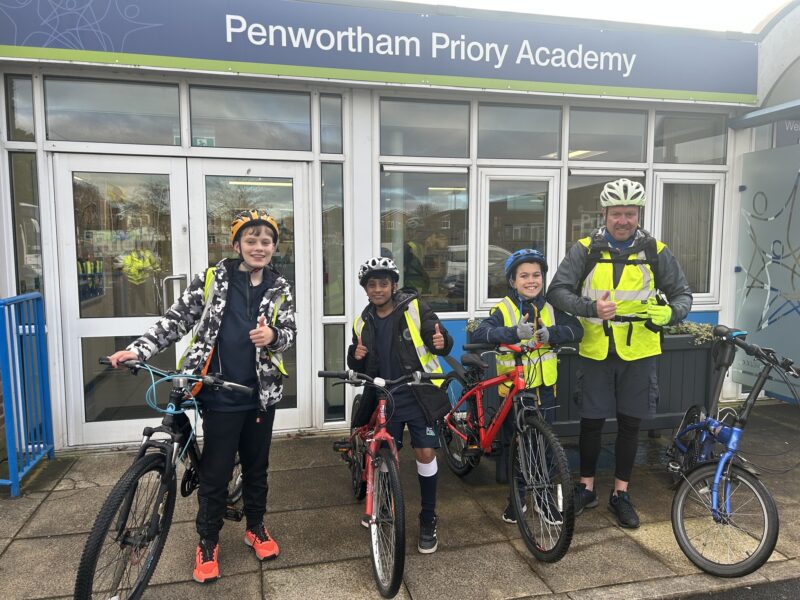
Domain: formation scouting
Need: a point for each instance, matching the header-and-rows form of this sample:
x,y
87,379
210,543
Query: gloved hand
x,y
543,333
524,329
659,314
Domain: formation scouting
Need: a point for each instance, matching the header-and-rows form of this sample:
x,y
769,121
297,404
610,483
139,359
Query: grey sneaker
x,y
584,498
620,504
428,542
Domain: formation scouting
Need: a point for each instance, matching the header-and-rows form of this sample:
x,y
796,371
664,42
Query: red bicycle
x,y
371,454
540,482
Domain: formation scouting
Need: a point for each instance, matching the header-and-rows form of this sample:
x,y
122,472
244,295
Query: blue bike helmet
x,y
523,256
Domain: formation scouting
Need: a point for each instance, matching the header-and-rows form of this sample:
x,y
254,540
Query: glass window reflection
x,y
690,138
519,132
19,100
334,361
27,232
688,215
330,110
332,239
84,110
230,118
424,229
607,135
517,219
417,128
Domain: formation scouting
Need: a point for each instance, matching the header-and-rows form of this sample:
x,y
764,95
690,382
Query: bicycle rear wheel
x,y
541,491
127,538
388,531
355,457
452,444
742,538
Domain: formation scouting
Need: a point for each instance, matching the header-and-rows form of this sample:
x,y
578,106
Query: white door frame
x,y
75,328
289,419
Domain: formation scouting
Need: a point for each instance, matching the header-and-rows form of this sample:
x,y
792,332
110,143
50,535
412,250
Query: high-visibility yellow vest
x,y
632,340
427,359
541,366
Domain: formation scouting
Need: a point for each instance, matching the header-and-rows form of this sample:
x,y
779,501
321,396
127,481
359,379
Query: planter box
x,y
684,379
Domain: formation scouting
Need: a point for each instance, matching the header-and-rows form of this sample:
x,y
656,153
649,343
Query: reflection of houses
x,y
519,218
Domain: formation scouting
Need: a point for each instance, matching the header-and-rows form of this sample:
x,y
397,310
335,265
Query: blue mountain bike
x,y
724,518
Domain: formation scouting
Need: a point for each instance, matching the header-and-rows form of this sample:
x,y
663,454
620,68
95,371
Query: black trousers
x,y
225,433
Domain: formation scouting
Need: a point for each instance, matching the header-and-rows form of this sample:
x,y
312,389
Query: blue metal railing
x,y
26,385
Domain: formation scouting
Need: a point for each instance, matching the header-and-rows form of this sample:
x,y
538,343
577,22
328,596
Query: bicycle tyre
x,y
236,483
356,459
743,540
541,489
102,548
388,531
452,444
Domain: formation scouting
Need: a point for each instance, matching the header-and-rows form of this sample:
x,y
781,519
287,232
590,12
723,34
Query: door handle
x,y
165,281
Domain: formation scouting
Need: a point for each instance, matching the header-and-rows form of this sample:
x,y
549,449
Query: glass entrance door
x,y
123,234
218,189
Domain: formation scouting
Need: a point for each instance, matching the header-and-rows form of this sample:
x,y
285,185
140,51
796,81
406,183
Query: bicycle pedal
x,y
673,466
342,446
233,514
471,451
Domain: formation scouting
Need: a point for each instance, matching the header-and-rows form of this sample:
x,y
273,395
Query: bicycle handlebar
x,y
518,348
736,337
214,381
354,377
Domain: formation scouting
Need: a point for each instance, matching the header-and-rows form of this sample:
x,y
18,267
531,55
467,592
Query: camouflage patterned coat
x,y
189,309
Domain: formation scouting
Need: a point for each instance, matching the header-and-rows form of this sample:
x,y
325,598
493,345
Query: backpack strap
x,y
599,244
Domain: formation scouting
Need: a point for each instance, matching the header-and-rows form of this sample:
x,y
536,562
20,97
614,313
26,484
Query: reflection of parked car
x,y
456,272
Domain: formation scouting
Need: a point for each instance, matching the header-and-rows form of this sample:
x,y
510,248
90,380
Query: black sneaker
x,y
428,542
548,512
584,498
509,516
620,504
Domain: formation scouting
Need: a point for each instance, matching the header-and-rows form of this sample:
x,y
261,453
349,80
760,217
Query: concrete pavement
x,y
325,553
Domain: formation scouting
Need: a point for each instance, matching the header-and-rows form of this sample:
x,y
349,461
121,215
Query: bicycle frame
x,y
487,433
375,435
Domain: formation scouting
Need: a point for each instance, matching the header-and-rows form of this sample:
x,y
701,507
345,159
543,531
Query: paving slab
x,y
598,558
96,470
311,487
475,573
46,475
780,570
26,567
789,534
659,540
68,511
303,451
4,542
341,580
14,512
243,586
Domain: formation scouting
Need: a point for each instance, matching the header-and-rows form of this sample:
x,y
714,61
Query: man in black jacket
x,y
398,333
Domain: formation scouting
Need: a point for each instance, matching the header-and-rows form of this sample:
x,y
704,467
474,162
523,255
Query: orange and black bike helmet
x,y
253,216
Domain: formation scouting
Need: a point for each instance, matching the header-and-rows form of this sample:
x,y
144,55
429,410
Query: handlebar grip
x,y
239,389
479,346
333,374
431,376
104,360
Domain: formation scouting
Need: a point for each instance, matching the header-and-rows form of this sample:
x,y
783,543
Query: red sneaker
x,y
259,539
206,565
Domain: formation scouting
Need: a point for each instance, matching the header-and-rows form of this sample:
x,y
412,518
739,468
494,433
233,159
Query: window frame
x,y
707,300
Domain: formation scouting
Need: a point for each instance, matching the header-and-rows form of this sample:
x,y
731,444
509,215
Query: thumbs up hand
x,y
524,329
438,339
263,334
606,309
360,351
542,333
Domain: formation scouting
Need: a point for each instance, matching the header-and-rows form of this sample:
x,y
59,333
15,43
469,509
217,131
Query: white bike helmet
x,y
622,192
378,265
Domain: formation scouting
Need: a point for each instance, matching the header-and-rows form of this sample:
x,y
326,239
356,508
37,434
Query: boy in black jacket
x,y
398,333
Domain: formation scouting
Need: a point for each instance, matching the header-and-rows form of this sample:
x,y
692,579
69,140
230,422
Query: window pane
x,y
517,218
685,138
525,132
686,229
228,118
27,233
334,361
111,111
122,240
112,394
424,229
19,100
607,135
763,137
332,239
583,205
416,128
330,112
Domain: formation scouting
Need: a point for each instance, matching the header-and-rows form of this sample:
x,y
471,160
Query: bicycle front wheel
x,y
127,538
741,538
541,491
388,531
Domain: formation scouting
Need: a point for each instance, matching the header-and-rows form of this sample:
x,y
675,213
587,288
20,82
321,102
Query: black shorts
x,y
422,434
611,386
